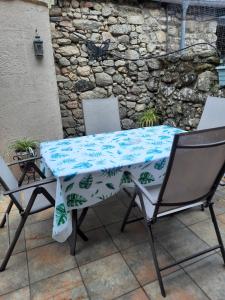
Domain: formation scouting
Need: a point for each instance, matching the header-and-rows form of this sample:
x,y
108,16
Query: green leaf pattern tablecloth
x,y
91,169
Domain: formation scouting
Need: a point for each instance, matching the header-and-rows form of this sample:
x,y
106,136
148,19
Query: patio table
x,y
92,168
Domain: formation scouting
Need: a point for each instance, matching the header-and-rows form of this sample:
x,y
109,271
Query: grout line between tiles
x,y
196,283
81,276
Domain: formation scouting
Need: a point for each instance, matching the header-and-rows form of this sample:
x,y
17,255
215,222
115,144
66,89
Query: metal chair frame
x,y
206,199
24,213
30,163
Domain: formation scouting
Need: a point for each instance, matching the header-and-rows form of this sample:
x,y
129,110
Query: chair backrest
x,y
101,115
213,114
195,167
7,179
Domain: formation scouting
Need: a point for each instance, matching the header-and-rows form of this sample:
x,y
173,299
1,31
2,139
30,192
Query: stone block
x,y
83,85
95,93
120,29
84,71
86,24
103,79
69,51
135,19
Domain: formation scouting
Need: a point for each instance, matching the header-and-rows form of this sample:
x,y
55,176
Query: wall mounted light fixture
x,y
38,45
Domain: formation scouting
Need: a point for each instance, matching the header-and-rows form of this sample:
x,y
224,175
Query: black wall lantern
x,y
38,45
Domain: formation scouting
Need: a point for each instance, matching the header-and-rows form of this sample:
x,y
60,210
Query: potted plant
x,y
148,118
24,148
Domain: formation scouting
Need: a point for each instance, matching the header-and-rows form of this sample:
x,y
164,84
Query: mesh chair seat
x,y
40,202
153,195
163,211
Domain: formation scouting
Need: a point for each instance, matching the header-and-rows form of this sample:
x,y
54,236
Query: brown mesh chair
x,y
195,168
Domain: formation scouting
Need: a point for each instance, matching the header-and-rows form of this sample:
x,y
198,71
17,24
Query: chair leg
x,y
212,213
151,241
12,245
24,216
79,222
7,212
128,213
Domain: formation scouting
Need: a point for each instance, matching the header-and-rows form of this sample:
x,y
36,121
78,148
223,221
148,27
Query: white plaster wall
x,y
29,105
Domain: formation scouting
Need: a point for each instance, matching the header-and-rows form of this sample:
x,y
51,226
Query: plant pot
x,y
221,73
21,155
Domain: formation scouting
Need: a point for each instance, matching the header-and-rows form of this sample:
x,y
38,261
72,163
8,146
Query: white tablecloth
x,y
90,169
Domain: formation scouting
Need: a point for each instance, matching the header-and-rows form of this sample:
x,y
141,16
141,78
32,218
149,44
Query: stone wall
x,y
176,85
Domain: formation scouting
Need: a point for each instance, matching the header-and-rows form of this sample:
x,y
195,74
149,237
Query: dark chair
x,y
28,164
195,168
29,199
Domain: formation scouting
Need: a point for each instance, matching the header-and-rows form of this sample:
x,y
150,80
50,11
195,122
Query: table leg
x,y
73,237
76,229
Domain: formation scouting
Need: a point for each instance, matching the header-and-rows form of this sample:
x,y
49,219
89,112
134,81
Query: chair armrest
x,y
31,185
24,160
141,188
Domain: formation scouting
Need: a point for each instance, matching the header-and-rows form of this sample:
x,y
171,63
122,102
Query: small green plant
x,y
24,145
148,118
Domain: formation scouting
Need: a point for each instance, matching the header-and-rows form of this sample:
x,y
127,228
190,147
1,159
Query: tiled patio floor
x,y
114,265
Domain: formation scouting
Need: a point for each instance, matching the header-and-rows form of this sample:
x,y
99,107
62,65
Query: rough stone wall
x,y
176,86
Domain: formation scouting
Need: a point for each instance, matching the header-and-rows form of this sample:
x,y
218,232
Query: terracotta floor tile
x,y
205,230
219,204
192,216
15,275
138,294
38,234
14,218
110,212
20,245
165,226
99,245
108,278
49,260
65,286
91,221
23,293
44,215
133,234
183,243
209,274
4,202
140,261
178,286
221,218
